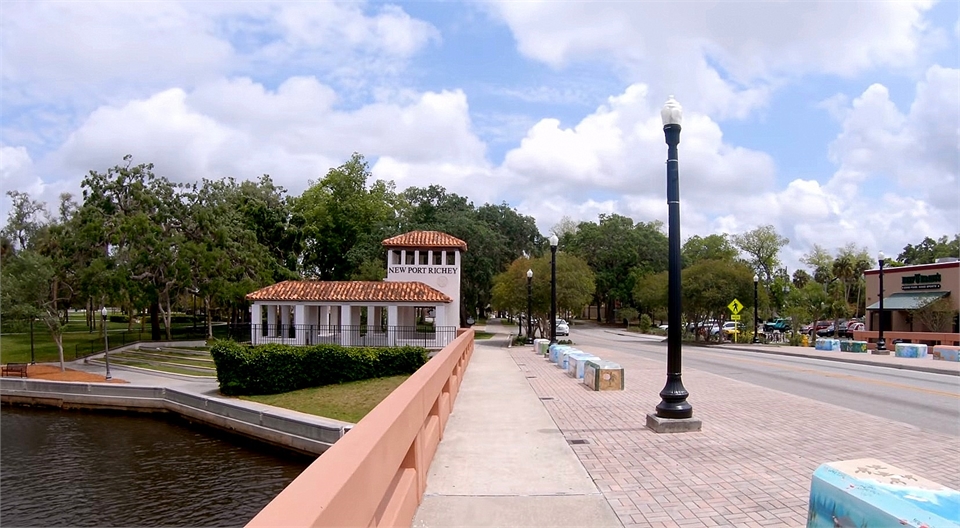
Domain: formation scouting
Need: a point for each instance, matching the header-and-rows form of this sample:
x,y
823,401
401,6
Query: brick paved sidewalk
x,y
750,466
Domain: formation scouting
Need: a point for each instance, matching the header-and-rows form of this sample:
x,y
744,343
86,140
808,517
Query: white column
x,y
299,321
256,323
271,320
324,318
392,323
284,320
346,320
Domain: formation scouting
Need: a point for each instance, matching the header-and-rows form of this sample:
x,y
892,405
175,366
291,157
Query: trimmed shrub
x,y
645,323
273,368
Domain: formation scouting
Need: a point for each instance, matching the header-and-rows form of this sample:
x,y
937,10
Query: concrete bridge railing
x,y
377,473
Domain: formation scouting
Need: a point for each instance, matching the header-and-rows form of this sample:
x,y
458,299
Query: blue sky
x,y
836,122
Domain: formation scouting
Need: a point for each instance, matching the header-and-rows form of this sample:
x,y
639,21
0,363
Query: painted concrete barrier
x,y
603,375
541,346
910,350
377,473
576,362
946,353
827,344
853,346
288,429
868,492
555,351
564,359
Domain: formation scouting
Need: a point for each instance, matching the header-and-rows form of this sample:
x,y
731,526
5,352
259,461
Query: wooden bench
x,y
11,369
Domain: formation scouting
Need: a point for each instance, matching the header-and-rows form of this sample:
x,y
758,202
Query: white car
x,y
563,329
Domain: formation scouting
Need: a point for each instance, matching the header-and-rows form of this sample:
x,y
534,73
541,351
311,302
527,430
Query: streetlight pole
x,y
553,288
881,343
33,360
106,343
756,321
673,404
529,305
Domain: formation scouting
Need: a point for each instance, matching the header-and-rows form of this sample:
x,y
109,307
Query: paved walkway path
x,y
750,466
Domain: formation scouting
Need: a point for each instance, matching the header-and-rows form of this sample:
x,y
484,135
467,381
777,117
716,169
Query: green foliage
x,y
627,314
762,246
271,369
711,247
645,323
929,250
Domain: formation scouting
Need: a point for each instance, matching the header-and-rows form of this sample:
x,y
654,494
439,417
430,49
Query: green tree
x,y
25,218
929,250
708,287
762,246
711,247
29,289
344,221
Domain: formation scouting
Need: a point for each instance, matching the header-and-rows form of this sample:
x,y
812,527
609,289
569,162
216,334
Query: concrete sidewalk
x,y
750,465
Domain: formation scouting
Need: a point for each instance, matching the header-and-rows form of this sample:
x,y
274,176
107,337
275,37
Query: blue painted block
x,y
555,352
911,350
946,352
827,344
868,492
577,361
564,355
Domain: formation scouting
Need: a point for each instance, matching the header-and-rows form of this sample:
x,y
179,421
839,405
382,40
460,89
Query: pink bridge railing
x,y
377,473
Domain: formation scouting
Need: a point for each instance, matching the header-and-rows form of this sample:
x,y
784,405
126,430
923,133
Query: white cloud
x,y
918,151
238,128
724,57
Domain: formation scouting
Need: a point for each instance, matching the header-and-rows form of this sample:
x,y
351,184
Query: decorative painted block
x,y
868,492
946,352
603,375
541,346
827,344
844,346
564,359
858,346
576,362
911,350
555,352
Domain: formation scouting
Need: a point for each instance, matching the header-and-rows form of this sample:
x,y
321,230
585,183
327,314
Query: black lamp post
x,y
756,321
881,342
529,305
106,343
33,360
553,288
673,403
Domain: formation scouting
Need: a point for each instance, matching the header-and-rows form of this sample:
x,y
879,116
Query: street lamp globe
x,y
103,313
529,273
672,112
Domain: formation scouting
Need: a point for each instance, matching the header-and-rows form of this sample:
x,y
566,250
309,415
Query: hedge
x,y
270,369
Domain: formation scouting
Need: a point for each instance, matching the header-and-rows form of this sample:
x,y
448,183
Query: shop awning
x,y
907,300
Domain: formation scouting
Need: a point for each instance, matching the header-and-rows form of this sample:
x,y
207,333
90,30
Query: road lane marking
x,y
840,375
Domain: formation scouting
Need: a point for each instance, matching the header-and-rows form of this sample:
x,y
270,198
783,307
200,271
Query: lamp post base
x,y
881,349
658,424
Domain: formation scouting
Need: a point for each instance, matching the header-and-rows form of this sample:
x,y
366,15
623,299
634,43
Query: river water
x,y
73,468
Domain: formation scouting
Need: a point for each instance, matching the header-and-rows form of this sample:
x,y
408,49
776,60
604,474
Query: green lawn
x,y
482,335
15,346
347,401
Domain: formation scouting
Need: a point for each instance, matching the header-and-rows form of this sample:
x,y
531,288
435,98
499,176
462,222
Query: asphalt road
x,y
925,400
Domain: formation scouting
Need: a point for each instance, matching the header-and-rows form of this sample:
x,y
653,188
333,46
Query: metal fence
x,y
346,335
353,335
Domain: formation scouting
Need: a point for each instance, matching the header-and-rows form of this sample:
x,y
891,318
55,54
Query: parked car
x,y
563,329
847,330
827,331
780,324
815,327
731,327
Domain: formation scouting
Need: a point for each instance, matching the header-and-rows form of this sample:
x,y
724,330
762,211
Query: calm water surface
x,y
72,468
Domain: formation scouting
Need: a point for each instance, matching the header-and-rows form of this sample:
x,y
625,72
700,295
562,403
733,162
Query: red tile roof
x,y
349,291
425,239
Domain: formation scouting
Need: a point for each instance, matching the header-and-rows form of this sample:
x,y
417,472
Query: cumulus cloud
x,y
725,56
240,129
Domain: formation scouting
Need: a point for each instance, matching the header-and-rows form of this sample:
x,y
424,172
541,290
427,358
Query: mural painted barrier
x,y
910,350
946,353
602,375
576,362
541,346
868,492
853,346
377,473
827,344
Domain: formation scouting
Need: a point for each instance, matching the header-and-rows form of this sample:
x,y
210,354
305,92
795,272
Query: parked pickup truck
x,y
780,324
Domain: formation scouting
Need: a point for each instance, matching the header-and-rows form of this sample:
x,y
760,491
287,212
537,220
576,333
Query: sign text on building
x,y
424,270
921,282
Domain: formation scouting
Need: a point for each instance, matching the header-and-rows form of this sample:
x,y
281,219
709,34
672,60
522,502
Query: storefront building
x,y
906,291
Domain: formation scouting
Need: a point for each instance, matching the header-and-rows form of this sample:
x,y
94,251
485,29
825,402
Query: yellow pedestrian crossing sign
x,y
735,306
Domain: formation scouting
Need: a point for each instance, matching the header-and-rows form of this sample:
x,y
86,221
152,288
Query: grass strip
x,y
348,402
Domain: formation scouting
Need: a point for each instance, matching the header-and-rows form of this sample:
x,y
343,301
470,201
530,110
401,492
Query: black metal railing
x,y
353,335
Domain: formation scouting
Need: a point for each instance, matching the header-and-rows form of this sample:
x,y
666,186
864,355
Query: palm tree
x,y
845,269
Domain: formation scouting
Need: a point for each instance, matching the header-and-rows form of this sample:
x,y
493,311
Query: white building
x,y
418,303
